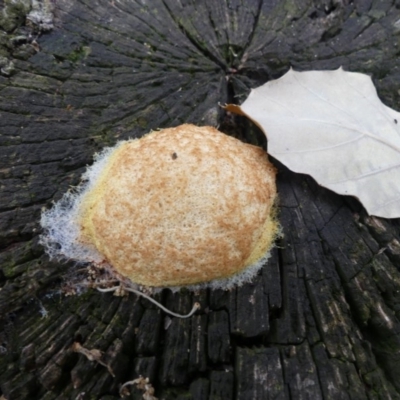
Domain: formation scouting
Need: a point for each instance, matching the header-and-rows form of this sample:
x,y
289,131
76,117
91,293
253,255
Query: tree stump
x,y
322,319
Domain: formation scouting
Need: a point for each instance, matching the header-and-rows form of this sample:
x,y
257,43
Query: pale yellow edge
x,y
269,233
87,207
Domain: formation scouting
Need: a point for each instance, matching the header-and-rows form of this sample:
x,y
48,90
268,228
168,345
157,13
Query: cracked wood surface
x,y
322,319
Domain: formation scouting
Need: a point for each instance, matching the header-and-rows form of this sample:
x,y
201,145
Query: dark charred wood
x,y
321,320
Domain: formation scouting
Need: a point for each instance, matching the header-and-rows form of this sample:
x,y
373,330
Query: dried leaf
x,y
92,355
332,126
141,384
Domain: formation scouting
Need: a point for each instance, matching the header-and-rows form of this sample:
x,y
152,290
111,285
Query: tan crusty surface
x,y
182,206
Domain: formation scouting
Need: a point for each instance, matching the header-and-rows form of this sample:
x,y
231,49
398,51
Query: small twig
x,y
196,306
92,355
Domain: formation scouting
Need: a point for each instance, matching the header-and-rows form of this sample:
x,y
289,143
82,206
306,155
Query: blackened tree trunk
x,y
322,320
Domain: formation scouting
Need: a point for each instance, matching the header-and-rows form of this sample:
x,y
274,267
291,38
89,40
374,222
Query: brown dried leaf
x,y
141,384
92,355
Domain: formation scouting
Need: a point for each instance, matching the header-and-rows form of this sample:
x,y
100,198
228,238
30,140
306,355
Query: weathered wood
x,y
321,321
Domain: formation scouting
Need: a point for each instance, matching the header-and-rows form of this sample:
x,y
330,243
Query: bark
x,y
322,319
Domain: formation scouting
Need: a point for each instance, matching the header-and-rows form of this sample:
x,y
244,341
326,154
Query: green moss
x,y
15,260
79,54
